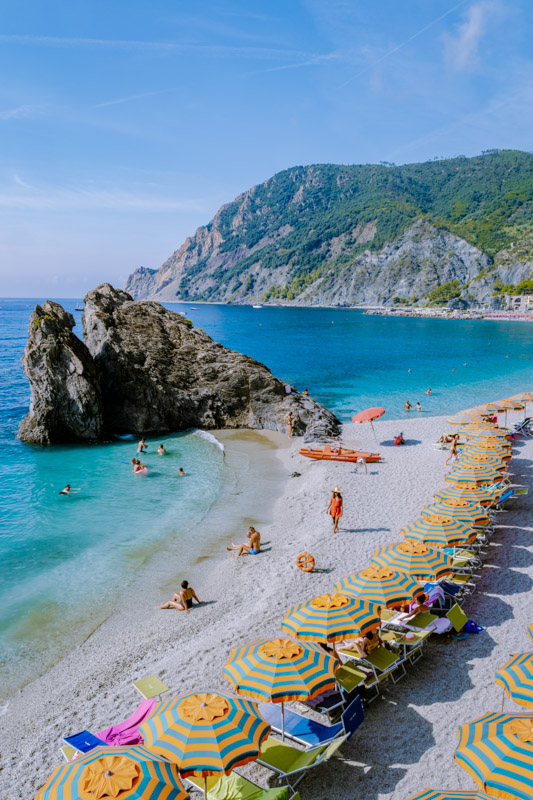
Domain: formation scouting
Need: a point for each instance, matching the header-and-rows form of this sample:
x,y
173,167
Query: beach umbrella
x,y
280,670
469,513
415,559
448,794
523,397
132,773
497,751
530,631
480,461
466,493
369,415
381,585
499,450
516,678
485,433
207,733
510,405
439,532
466,418
331,618
464,473
486,408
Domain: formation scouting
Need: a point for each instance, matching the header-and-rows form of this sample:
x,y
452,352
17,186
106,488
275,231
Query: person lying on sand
x,y
446,438
182,600
68,489
252,548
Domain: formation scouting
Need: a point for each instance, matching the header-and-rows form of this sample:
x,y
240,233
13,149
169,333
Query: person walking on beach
x,y
335,507
252,548
407,405
289,424
182,600
453,449
142,446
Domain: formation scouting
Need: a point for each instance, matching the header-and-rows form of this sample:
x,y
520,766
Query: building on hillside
x,y
519,302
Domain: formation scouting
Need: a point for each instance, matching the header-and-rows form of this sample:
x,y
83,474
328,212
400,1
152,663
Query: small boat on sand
x,y
340,453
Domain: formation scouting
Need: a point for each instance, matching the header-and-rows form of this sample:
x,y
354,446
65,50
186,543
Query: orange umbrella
x,y
369,415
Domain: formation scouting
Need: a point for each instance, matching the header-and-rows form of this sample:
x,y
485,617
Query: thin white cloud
x,y
79,41
130,98
18,112
462,50
55,198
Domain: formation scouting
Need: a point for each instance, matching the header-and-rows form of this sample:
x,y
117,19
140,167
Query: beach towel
x,y
127,732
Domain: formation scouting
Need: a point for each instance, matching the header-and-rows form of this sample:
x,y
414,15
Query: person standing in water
x,y
289,424
335,507
142,446
182,600
418,407
161,450
407,405
181,473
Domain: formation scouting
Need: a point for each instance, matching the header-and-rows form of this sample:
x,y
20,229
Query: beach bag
x,y
472,627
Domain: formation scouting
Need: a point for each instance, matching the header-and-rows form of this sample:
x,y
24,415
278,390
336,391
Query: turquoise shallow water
x,y
65,559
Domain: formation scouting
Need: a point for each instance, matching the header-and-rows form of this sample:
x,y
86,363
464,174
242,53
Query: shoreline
x,y
247,597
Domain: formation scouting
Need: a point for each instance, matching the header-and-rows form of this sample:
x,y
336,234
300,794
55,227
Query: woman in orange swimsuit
x,y
335,507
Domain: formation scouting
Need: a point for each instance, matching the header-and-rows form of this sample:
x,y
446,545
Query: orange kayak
x,y
338,454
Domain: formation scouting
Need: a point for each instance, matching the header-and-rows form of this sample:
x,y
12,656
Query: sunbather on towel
x,y
182,600
365,644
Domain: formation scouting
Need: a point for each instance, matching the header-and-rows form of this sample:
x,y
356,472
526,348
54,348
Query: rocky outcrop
x,y
66,402
155,373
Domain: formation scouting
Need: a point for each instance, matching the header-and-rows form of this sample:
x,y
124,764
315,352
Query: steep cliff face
x,y
327,234
66,402
146,370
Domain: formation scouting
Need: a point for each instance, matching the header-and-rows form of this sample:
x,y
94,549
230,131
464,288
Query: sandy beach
x,y
409,735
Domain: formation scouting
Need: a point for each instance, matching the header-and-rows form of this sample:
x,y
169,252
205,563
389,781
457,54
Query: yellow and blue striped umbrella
x,y
415,559
481,461
448,794
383,586
466,418
207,733
461,494
497,751
486,433
516,677
530,631
128,773
331,618
499,450
523,397
280,670
469,513
463,473
439,531
509,405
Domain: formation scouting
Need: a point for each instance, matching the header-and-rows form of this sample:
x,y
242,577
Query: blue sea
x,y
65,559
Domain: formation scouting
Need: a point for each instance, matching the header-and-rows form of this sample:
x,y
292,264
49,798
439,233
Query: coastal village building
x,y
519,302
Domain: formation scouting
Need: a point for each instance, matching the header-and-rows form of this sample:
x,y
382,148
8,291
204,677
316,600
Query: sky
x,y
126,125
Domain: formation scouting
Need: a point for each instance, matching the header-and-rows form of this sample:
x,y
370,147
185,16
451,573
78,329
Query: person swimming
x,y
181,472
418,407
138,467
182,600
161,450
68,489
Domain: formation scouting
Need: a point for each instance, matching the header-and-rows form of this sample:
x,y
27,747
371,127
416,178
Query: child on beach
x,y
252,548
335,507
182,600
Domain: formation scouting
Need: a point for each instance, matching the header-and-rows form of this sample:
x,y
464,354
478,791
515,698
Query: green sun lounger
x,y
457,617
236,787
422,620
151,686
291,764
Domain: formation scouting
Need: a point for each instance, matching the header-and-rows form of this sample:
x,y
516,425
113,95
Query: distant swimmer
x,y
251,548
181,472
305,392
428,390
142,446
418,407
161,450
408,370
138,468
453,370
182,600
68,489
407,405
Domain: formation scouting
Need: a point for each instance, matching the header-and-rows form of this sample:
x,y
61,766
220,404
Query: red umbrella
x,y
368,415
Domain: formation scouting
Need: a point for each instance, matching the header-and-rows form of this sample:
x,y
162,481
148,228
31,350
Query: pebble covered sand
x,y
409,734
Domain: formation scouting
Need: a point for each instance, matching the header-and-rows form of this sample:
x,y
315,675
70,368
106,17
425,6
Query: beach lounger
x,y
381,662
236,787
351,681
69,752
291,764
457,617
84,741
149,687
308,732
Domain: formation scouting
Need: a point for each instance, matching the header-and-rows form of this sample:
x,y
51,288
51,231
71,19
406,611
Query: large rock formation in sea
x,y
66,401
148,371
361,234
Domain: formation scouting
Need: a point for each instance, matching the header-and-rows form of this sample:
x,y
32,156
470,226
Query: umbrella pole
x,y
282,721
374,432
503,698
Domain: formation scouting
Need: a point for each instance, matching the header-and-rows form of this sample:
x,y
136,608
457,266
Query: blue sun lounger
x,y
308,732
84,741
